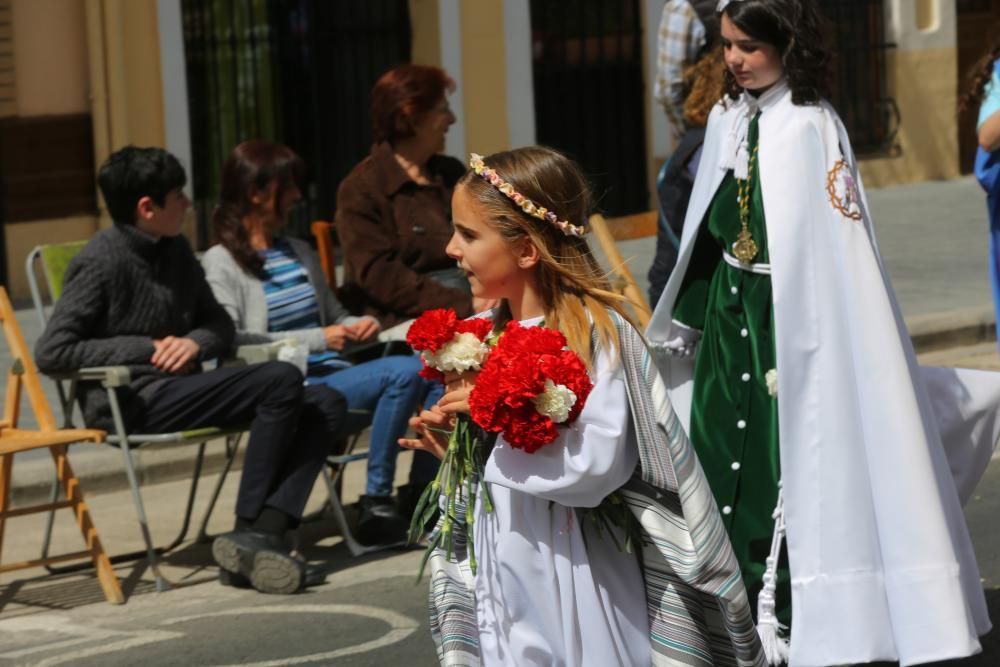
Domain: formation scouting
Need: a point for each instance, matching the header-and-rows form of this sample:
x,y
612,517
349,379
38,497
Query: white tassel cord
x,y
768,627
736,149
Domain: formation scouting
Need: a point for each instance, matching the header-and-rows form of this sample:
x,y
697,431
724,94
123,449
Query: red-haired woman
x,y
394,209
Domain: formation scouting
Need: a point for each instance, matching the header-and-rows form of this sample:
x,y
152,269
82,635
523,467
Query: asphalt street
x,y
371,611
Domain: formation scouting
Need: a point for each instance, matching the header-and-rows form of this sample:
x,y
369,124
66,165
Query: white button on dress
x,y
727,510
744,333
745,377
736,465
741,424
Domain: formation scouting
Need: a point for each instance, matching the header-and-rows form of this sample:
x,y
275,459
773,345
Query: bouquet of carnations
x,y
528,385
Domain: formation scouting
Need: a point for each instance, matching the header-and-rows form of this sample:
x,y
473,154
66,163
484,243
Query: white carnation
x,y
555,402
463,353
771,377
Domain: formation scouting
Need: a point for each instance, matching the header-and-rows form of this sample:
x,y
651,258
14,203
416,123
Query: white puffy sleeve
x,y
591,458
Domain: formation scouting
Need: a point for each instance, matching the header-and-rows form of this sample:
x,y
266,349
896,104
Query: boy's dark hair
x,y
797,29
131,173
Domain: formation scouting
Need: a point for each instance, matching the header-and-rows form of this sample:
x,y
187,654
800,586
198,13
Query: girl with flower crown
x,y
792,372
550,587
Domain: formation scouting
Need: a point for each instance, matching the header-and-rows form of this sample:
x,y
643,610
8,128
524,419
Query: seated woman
x,y
394,208
273,287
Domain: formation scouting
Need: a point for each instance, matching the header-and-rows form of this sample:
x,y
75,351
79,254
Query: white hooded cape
x,y
881,563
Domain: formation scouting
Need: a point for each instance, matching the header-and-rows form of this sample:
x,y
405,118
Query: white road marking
x,y
402,627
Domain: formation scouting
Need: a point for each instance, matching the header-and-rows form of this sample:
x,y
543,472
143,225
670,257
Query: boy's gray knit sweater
x,y
121,292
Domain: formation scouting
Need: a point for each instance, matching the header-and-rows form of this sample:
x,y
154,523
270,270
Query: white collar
x,y
735,148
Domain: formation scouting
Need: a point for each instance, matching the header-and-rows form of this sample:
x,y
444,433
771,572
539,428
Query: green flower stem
x,y
460,476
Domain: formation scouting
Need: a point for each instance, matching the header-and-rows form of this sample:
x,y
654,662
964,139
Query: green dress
x,y
734,419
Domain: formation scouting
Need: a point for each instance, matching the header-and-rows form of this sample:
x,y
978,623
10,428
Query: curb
x,y
101,470
955,328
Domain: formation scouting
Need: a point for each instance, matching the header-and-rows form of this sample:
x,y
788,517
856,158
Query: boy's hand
x,y
175,355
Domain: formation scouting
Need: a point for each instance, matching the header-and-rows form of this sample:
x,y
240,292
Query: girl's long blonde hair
x,y
573,288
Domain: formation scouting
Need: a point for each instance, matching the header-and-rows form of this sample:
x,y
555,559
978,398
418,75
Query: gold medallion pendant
x,y
745,248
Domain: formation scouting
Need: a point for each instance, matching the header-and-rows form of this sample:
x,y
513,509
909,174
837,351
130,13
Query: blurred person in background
x,y
274,288
983,92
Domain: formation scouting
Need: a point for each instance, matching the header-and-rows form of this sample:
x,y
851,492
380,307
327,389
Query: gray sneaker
x,y
261,558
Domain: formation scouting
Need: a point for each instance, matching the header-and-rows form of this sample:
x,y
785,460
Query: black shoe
x,y
261,559
379,521
315,575
234,579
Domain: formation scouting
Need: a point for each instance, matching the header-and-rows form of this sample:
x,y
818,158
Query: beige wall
x,y
924,84
425,26
50,57
78,56
125,74
484,77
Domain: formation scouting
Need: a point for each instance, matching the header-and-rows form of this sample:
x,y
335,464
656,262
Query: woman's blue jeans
x,y
391,389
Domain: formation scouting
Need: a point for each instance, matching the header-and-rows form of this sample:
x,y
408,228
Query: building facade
x,y
81,78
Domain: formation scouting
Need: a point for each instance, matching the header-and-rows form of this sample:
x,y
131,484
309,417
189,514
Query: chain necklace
x,y
745,248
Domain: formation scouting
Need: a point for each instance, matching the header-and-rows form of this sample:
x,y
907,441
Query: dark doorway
x,y
859,73
295,71
589,103
978,26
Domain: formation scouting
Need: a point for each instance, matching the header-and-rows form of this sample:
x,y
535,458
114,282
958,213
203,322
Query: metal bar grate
x,y
859,83
588,83
295,71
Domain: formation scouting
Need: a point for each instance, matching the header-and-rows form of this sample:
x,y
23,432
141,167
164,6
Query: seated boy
x,y
136,296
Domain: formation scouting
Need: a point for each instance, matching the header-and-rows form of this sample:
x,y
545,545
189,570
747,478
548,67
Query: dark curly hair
x,y
797,29
978,77
253,165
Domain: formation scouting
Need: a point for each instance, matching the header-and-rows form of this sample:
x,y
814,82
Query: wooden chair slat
x,y
602,229
24,375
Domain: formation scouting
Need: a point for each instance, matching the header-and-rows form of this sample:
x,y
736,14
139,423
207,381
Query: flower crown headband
x,y
531,208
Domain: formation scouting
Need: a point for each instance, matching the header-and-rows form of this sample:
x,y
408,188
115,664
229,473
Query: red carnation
x,y
432,329
527,363
481,327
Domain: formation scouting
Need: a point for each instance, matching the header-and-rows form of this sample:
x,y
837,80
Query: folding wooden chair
x,y
53,260
22,375
625,228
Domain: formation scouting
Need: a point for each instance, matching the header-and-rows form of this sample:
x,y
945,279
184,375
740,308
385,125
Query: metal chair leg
x,y
355,547
161,583
133,482
232,445
189,510
51,518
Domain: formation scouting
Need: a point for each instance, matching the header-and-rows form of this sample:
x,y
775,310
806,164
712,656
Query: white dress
x,y
544,594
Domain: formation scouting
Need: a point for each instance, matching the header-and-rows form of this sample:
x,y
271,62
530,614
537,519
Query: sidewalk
x,y
932,237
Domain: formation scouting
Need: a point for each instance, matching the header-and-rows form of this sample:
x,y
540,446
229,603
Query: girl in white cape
x,y
548,589
792,371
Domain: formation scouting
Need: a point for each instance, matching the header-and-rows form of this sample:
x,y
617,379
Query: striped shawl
x,y
698,608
